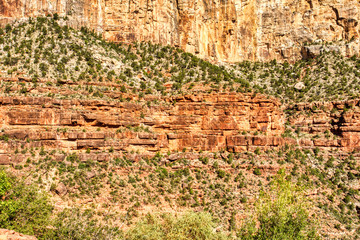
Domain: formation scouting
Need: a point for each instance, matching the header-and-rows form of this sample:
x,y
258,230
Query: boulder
x,y
61,189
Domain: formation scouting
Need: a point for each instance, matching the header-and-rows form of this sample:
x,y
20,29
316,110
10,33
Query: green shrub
x,y
195,226
281,213
75,224
257,172
5,184
23,207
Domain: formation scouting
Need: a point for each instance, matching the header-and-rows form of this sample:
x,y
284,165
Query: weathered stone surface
x,y
59,157
344,124
200,122
61,189
221,30
12,235
90,143
208,122
5,159
87,135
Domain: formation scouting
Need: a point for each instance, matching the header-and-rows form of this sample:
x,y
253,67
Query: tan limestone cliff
x,y
230,30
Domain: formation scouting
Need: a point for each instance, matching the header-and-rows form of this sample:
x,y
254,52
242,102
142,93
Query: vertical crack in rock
x,y
220,30
310,3
346,23
337,15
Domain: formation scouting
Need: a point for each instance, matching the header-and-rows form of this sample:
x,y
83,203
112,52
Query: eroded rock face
x,y
212,122
61,189
221,30
340,118
196,122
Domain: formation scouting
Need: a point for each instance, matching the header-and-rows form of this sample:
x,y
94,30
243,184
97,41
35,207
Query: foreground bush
x,y
74,224
281,213
23,207
195,226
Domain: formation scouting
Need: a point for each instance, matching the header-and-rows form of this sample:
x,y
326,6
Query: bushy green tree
x,y
282,212
23,208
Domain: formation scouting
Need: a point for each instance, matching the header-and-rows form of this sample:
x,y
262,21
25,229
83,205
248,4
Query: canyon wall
x,y
204,122
213,122
221,30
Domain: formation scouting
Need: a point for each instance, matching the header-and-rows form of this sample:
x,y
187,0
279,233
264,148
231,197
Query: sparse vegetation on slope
x,y
327,77
225,185
46,48
284,218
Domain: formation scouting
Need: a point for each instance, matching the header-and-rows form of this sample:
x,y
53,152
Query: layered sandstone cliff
x,y
234,122
200,122
230,30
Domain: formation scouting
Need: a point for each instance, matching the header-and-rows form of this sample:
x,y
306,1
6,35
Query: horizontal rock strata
x,y
201,122
204,122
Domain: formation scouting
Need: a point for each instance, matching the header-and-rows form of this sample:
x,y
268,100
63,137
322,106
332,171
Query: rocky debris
x,y
174,157
357,207
182,155
212,29
299,85
59,157
90,175
5,159
6,234
61,189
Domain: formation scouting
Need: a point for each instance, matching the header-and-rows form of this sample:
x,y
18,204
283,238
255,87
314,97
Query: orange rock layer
x,y
204,122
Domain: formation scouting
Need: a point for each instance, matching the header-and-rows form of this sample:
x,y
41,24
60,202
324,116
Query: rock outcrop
x,y
12,235
220,30
212,122
341,119
208,122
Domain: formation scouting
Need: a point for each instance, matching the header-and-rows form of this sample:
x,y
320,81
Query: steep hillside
x,y
326,77
114,131
45,48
